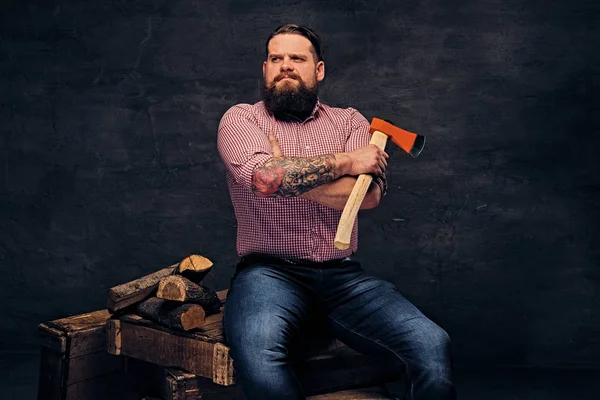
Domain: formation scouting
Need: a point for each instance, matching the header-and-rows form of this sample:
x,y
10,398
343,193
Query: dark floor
x,y
19,382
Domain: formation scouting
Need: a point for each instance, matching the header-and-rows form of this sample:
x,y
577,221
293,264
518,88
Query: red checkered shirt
x,y
291,228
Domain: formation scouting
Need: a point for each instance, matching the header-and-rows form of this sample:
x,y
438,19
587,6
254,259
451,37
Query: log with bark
x,y
179,288
133,292
172,314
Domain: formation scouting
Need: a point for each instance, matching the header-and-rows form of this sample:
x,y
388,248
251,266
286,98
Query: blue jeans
x,y
270,302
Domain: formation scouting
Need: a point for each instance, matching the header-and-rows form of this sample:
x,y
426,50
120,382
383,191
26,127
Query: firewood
x,y
179,288
133,292
195,267
172,314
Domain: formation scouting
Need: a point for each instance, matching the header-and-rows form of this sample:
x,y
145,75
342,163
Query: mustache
x,y
286,75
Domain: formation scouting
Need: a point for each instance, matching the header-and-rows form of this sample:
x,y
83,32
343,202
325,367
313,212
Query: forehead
x,y
289,43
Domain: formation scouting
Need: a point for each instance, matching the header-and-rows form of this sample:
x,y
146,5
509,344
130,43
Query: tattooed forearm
x,y
292,176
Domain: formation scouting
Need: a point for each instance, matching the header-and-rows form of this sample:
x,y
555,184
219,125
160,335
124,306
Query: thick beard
x,y
290,103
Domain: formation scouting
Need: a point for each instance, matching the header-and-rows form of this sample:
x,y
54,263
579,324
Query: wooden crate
x,y
329,365
174,384
74,363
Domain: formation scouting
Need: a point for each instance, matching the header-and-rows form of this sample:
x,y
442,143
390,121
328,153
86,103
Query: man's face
x,y
290,56
291,73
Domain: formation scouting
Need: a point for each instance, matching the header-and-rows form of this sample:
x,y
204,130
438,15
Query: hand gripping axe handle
x,y
380,130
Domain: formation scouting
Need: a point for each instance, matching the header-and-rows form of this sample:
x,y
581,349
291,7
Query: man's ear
x,y
264,68
320,71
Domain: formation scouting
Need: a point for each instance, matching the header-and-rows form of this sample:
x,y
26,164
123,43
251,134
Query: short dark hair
x,y
308,33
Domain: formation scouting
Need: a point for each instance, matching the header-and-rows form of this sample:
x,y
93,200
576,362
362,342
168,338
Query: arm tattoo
x,y
292,176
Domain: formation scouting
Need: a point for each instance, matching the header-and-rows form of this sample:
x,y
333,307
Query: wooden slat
x,y
52,338
87,341
222,365
212,336
93,365
85,333
370,393
113,336
82,321
160,347
344,368
113,386
51,375
180,385
222,294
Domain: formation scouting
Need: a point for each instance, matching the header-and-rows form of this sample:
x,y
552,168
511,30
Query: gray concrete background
x,y
109,168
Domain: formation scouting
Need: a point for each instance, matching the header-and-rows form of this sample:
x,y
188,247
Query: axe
x,y
380,130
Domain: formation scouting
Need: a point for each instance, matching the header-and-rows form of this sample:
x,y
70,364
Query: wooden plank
x,y
180,385
51,374
370,393
184,386
160,347
114,386
113,336
222,365
201,334
87,341
52,338
93,365
344,368
78,322
222,294
85,333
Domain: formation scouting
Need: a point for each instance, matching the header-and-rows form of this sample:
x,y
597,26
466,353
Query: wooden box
x,y
203,353
74,363
174,384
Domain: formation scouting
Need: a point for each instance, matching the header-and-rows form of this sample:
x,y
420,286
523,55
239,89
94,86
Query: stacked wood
x,y
179,288
172,296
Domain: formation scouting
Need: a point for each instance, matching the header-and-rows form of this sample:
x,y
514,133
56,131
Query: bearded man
x,y
291,164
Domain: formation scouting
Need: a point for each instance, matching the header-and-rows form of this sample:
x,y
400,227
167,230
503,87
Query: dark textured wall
x,y
109,168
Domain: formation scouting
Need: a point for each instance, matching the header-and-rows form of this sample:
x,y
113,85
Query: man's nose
x,y
286,65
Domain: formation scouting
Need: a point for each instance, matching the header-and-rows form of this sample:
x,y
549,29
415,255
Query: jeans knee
x,y
434,346
257,344
439,338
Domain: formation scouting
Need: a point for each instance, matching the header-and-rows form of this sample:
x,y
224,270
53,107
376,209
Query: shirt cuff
x,y
382,183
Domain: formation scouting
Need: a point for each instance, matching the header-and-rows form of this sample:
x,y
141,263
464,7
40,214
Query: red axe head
x,y
410,142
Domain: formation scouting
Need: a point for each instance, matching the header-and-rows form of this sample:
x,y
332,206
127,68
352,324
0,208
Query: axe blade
x,y
409,142
417,146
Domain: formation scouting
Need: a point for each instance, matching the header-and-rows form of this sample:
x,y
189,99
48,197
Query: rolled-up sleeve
x,y
359,136
242,145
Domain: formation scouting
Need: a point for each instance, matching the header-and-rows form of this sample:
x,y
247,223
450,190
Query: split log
x,y
133,292
172,314
179,288
195,267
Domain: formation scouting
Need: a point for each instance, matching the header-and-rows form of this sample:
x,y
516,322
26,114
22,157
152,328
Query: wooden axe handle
x,y
344,230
